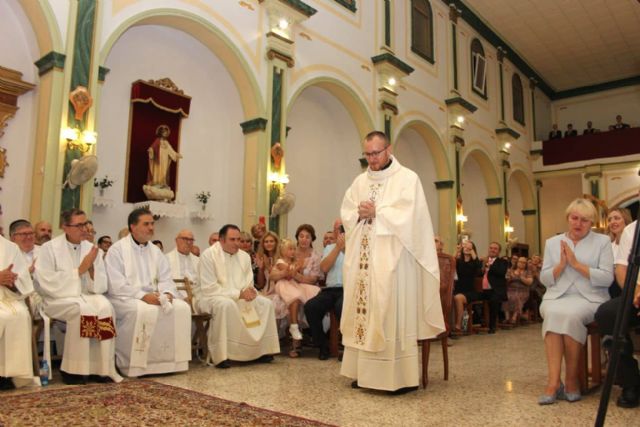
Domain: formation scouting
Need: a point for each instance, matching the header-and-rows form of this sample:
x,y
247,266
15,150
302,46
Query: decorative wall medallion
x,y
81,100
3,161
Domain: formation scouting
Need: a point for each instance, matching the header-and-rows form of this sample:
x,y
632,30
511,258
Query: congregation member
x,y
123,233
577,271
391,274
590,129
308,260
257,232
182,262
91,232
619,124
43,232
159,244
71,277
153,323
570,131
555,132
288,276
606,316
244,325
468,267
246,243
617,220
437,240
328,238
331,295
104,243
266,257
494,283
214,238
519,281
16,368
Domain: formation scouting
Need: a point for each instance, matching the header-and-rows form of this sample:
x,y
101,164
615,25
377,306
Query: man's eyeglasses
x,y
79,225
187,239
25,234
374,153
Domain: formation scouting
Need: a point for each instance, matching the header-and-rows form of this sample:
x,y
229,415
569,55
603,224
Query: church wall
x,y
543,116
61,9
18,51
474,195
601,108
515,203
211,138
620,185
555,195
322,155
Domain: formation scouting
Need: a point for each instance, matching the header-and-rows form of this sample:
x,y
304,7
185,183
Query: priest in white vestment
x,y
391,275
153,323
71,276
22,234
243,325
183,263
15,321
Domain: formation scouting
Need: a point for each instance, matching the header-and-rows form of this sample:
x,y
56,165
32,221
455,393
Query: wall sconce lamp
x,y
278,180
461,218
77,140
508,229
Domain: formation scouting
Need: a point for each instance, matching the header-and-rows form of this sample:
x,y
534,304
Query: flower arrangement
x,y
203,197
105,182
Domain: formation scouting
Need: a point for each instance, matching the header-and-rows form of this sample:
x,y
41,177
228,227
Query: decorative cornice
x,y
387,90
102,73
441,185
387,106
392,60
535,152
507,131
272,53
527,212
585,90
299,6
494,201
349,4
458,100
254,125
50,61
458,140
279,37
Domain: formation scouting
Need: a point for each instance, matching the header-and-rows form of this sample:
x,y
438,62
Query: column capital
x,y
254,125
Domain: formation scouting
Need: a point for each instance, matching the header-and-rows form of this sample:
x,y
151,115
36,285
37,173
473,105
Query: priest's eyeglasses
x,y
79,225
187,239
374,153
25,234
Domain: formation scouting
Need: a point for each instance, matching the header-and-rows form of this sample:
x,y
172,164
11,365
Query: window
x,y
478,69
422,29
518,99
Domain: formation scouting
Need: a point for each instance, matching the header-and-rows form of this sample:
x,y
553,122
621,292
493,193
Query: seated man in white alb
x,y
243,327
153,324
71,277
22,234
182,262
15,321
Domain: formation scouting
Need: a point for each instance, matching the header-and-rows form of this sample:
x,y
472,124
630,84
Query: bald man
x,y
215,237
182,261
43,232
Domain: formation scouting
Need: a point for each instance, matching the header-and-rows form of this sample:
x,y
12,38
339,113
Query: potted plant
x,y
203,197
102,184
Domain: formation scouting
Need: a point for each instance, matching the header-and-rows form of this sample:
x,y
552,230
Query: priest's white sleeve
x,y
56,283
210,286
23,283
99,283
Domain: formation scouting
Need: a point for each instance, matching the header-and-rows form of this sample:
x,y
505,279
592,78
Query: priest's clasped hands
x,y
153,298
248,294
367,210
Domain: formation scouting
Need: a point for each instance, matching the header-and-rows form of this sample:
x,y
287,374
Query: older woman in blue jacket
x,y
577,272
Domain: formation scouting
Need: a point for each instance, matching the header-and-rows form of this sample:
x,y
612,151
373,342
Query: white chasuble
x,y
15,320
391,280
151,339
238,330
77,299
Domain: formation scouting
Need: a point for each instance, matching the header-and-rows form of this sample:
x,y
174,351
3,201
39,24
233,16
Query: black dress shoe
x,y
100,379
225,364
403,390
73,379
265,358
6,384
629,398
324,354
354,384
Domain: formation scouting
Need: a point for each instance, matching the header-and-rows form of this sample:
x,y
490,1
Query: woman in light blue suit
x,y
577,272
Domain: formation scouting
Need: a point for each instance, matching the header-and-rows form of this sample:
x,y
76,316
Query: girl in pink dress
x,y
286,273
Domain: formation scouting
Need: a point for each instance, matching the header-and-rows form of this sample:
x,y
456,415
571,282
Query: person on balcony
x,y
555,132
619,124
570,131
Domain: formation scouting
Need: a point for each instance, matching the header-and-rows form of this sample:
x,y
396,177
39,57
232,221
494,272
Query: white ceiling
x,y
569,43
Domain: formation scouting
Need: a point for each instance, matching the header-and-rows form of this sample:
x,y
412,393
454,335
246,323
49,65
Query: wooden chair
x,y
447,273
201,322
484,326
334,334
590,379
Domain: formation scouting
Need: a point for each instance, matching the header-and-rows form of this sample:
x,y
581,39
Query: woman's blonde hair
x,y
261,245
584,208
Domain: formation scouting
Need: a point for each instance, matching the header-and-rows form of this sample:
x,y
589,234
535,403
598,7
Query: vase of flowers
x,y
102,184
203,197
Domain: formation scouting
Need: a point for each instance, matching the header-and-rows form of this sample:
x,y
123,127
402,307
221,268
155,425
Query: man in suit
x,y
589,130
555,132
619,124
570,131
494,283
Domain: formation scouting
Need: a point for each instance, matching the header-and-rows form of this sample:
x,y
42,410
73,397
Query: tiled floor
x,y
494,380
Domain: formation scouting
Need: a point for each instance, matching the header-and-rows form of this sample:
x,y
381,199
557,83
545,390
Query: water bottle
x,y
44,373
465,320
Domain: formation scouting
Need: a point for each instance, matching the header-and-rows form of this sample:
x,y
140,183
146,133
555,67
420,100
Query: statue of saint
x,y
161,154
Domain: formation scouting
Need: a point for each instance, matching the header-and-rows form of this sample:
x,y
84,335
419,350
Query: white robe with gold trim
x,y
77,299
391,280
222,277
150,340
15,321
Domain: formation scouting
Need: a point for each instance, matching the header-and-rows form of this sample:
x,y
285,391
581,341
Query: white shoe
x,y
295,332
